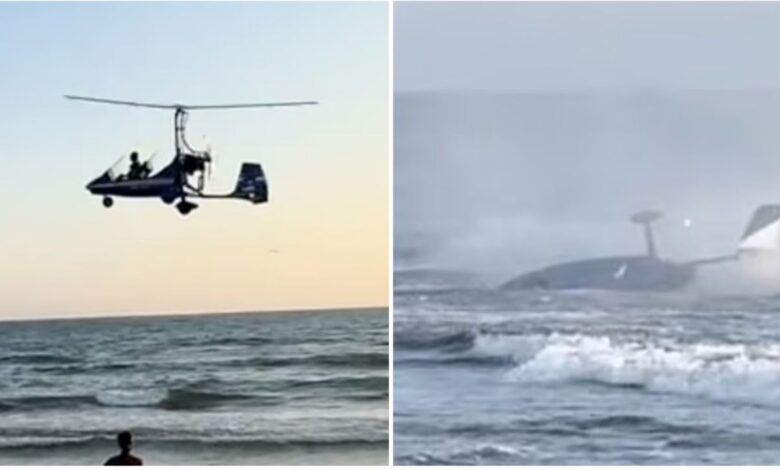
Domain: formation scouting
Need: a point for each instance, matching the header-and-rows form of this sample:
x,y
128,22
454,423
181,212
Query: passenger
x,y
125,441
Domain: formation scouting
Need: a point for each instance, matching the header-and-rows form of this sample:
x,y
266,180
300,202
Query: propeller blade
x,y
190,107
251,105
125,103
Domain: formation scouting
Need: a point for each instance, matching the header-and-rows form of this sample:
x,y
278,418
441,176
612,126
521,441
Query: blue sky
x,y
327,164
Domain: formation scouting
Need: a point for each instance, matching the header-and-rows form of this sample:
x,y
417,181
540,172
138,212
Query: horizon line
x,y
160,314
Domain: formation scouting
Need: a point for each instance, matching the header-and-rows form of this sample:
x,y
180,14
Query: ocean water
x,y
483,376
232,389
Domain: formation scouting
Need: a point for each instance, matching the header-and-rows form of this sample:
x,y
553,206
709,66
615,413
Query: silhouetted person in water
x,y
125,441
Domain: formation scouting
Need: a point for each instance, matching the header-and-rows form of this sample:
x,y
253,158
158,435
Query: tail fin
x,y
763,231
251,184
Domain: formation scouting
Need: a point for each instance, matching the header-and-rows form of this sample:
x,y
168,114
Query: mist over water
x,y
504,182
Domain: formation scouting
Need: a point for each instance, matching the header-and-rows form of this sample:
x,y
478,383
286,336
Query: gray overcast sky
x,y
555,46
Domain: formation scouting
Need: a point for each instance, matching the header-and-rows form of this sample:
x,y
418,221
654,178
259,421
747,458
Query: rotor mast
x,y
645,219
178,125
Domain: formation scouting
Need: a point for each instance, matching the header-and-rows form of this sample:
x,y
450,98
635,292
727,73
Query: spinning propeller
x,y
188,107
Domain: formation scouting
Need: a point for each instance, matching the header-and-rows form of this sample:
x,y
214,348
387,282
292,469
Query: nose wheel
x,y
107,202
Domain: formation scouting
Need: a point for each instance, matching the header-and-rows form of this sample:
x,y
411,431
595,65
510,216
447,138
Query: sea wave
x,y
491,454
348,360
447,340
452,361
36,358
106,440
735,372
70,368
729,372
47,402
421,278
573,426
62,366
424,292
186,399
467,347
169,399
340,382
206,394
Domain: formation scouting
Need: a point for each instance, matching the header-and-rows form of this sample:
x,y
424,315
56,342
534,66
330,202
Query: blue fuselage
x,y
164,184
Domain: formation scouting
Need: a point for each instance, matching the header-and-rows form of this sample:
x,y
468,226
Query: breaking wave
x,y
718,371
728,372
467,347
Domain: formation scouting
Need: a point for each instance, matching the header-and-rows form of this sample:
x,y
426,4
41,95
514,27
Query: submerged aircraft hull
x,y
638,273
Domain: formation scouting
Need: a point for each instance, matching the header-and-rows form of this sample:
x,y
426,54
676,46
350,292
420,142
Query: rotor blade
x,y
126,103
250,105
188,107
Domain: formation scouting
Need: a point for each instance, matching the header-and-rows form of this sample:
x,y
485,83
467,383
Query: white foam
x,y
471,455
519,348
488,450
139,397
729,372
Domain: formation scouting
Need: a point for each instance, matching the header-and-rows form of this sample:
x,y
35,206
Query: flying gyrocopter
x,y
185,176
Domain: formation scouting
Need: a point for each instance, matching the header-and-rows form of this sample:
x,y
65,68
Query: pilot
x,y
138,170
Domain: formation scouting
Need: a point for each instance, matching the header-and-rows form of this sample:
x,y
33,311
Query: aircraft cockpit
x,y
131,167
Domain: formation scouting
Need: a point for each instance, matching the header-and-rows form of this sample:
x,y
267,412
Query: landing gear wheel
x,y
185,207
107,202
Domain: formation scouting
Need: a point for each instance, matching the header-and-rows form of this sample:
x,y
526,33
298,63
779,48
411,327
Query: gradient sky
x,y
63,254
534,46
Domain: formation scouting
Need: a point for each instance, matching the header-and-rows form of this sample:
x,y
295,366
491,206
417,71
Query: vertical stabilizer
x,y
251,184
763,231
